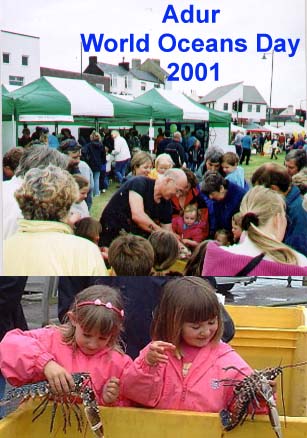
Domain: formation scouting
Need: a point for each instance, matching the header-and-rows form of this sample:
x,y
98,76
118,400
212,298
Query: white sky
x,y
59,23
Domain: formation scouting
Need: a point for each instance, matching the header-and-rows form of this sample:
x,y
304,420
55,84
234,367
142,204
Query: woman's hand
x,y
156,352
58,378
110,392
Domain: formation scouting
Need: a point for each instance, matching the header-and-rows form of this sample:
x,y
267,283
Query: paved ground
x,y
262,292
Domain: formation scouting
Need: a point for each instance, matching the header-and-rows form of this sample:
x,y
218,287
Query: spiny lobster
x,y
68,402
247,394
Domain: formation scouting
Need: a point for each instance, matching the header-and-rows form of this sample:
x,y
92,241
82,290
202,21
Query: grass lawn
x,y
99,202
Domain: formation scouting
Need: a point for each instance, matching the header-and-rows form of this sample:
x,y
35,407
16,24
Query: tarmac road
x,y
262,292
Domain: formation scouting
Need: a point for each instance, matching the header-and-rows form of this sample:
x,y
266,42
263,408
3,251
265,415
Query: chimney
x,y
136,63
156,61
124,64
92,60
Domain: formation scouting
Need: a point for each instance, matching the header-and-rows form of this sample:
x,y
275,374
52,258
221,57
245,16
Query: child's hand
x,y
110,392
156,353
58,378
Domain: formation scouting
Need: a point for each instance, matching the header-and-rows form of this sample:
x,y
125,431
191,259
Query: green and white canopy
x,y
173,106
61,99
7,104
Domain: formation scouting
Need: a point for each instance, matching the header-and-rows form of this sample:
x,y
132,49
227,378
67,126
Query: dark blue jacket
x,y
225,209
296,232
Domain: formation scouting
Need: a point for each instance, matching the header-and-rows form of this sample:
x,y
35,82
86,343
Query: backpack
x,y
171,149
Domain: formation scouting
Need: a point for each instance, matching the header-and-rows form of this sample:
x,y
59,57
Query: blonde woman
x,y
262,251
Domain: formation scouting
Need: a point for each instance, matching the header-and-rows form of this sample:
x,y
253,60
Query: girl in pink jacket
x,y
184,365
88,342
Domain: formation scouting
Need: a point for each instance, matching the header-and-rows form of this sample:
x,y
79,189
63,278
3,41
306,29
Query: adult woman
x,y
265,228
295,161
141,164
212,161
44,243
227,197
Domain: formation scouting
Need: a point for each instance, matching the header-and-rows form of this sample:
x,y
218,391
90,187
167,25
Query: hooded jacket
x,y
164,387
23,356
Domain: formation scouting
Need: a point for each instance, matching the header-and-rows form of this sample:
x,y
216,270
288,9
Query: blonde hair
x,y
138,159
166,157
95,136
230,158
191,208
101,319
258,206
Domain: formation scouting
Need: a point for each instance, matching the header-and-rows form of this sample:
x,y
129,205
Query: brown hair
x,y
230,158
185,299
138,159
103,320
88,227
196,261
131,255
166,249
12,157
81,181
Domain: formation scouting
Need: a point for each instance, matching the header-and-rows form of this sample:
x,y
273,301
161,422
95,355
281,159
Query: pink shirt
x,y
23,355
165,387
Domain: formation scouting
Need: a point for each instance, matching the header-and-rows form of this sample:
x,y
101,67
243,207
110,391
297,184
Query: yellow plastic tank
x,y
146,423
272,336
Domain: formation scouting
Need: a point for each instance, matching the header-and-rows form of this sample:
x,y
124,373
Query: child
x,y
130,255
163,163
88,228
189,228
233,172
236,229
79,209
166,251
223,237
89,341
183,366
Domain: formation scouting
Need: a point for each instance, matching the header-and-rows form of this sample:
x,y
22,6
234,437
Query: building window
x,y
143,86
24,60
225,107
113,81
257,108
6,58
157,86
16,80
249,108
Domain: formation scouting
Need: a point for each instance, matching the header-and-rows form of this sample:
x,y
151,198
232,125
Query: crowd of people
x,y
189,194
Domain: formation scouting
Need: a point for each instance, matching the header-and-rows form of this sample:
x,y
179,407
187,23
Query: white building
x,y
20,58
243,102
130,81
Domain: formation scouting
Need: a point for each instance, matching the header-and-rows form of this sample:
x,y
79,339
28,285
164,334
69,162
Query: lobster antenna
x,y
282,398
299,364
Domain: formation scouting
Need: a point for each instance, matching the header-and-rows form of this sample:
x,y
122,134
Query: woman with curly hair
x,y
44,243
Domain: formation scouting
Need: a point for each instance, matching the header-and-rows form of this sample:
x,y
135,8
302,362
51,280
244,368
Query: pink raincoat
x,y
164,387
23,355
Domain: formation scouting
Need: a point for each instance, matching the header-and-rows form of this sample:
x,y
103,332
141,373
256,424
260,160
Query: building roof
x,y
112,69
91,78
20,34
252,95
143,75
218,92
